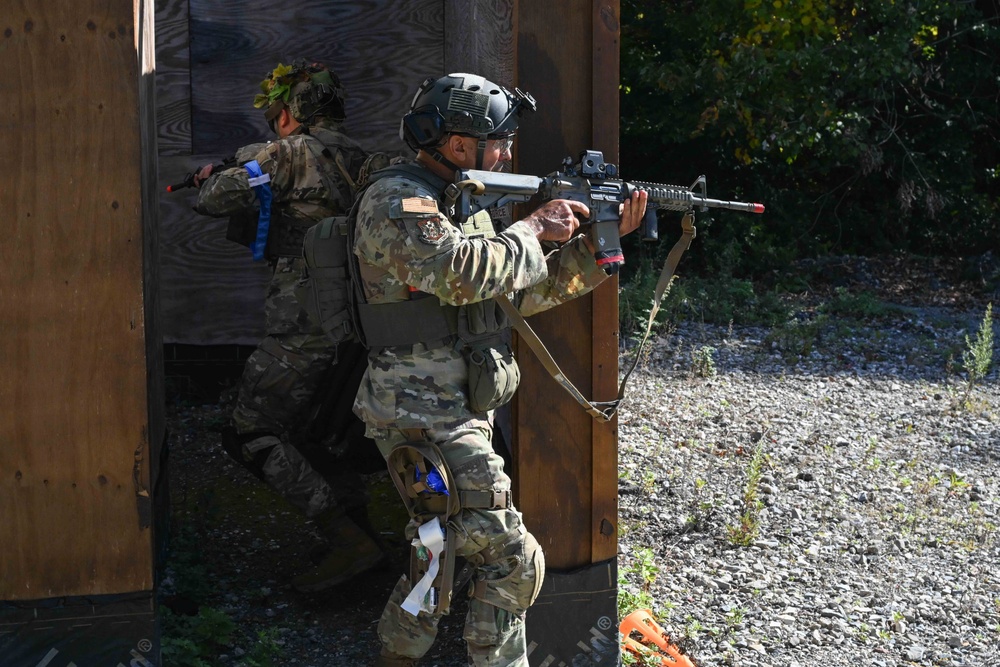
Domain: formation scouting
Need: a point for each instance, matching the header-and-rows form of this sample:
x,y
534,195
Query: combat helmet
x,y
306,89
465,104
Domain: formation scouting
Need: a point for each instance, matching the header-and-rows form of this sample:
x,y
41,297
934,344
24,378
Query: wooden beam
x,y
604,133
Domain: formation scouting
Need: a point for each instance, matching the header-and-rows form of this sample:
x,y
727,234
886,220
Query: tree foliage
x,y
863,125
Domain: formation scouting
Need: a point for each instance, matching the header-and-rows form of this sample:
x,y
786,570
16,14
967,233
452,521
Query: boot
x,y
389,659
351,552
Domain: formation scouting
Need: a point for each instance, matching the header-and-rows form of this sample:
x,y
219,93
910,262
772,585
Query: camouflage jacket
x,y
306,184
402,239
305,179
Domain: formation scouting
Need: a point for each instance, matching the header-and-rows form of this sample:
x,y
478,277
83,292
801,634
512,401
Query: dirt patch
x,y
235,545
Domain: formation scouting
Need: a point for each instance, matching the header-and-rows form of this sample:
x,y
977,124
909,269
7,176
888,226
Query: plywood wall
x,y
75,424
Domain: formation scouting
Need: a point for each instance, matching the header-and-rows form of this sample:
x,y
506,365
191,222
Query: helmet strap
x,y
441,159
481,151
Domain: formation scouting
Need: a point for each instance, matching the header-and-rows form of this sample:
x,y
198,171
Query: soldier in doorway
x,y
279,190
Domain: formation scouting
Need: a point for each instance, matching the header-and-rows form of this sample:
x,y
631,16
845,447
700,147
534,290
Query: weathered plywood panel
x,y
73,400
211,292
173,77
565,461
479,39
380,48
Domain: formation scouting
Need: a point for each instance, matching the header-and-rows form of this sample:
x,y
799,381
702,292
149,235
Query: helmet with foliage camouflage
x,y
307,90
464,104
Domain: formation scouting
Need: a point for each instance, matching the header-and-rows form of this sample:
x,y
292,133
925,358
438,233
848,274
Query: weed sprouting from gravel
x,y
978,355
747,528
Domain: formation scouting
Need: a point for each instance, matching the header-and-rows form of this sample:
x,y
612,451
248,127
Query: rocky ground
x,y
820,493
864,477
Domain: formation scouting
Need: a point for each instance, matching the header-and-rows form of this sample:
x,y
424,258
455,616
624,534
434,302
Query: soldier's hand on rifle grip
x,y
557,220
202,174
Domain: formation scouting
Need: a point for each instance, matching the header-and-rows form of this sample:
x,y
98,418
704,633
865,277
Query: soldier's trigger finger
x,y
581,210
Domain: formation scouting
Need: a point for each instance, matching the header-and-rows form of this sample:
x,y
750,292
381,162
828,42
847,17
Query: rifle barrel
x,y
679,198
745,207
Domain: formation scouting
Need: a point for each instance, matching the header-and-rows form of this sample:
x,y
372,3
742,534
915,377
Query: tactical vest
x,y
334,296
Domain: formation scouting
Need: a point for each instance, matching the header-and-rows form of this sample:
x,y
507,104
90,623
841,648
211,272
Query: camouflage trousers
x,y
280,382
494,626
278,391
282,376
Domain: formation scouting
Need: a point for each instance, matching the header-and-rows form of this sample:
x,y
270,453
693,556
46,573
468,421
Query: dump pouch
x,y
427,487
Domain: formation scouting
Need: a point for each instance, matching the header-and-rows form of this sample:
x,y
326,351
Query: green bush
x,y
863,126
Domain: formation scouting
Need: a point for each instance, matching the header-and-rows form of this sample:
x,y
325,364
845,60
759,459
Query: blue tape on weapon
x,y
261,183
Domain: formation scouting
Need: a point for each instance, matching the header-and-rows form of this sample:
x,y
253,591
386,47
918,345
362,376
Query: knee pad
x,y
513,580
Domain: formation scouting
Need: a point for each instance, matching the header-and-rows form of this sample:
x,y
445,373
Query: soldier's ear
x,y
455,148
286,122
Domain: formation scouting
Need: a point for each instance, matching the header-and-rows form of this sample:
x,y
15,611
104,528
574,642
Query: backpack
x,y
327,291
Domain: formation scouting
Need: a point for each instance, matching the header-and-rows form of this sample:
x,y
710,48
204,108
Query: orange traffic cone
x,y
654,640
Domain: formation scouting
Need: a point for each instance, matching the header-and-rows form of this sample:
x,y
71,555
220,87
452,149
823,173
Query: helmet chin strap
x,y
481,151
441,159
480,155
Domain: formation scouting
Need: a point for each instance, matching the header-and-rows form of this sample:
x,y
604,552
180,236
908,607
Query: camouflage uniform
x,y
283,374
425,389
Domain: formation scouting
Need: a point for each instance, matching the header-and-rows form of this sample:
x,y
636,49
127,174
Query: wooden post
x,y
566,462
81,410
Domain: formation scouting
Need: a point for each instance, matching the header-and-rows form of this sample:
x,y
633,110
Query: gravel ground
x,y
877,525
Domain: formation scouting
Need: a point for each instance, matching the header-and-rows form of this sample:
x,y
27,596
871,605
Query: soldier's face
x,y
463,151
497,154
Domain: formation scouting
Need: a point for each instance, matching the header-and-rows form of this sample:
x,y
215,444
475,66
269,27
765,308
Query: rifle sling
x,y
688,232
604,411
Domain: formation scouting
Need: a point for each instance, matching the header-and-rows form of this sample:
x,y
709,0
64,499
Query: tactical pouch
x,y
324,294
493,376
242,227
411,465
493,371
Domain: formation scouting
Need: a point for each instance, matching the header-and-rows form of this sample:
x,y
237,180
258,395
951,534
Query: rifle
x,y
188,181
593,182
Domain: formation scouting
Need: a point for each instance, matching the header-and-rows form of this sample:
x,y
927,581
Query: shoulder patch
x,y
419,205
431,230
